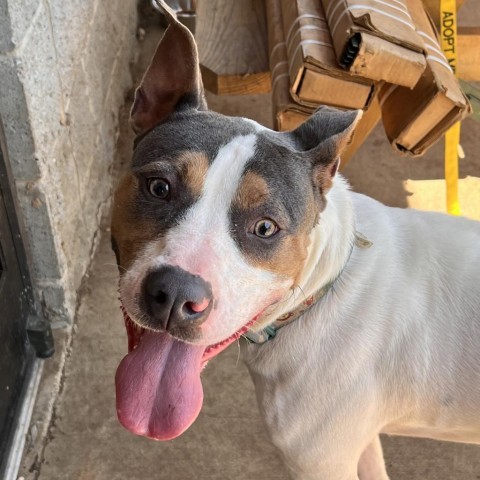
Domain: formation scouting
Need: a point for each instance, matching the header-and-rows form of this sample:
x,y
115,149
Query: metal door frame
x,y
38,329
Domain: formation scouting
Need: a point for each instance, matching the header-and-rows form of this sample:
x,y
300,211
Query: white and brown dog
x,y
223,227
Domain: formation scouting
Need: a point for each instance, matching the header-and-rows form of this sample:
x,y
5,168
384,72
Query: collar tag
x,y
262,336
361,241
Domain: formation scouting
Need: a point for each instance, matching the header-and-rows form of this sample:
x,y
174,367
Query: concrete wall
x,y
64,72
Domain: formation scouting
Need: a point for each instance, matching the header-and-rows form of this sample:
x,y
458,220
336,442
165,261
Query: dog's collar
x,y
270,331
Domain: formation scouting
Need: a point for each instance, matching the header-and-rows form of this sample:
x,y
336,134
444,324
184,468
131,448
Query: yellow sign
x,y
448,26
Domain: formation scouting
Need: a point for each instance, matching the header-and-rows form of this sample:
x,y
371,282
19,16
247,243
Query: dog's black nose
x,y
174,298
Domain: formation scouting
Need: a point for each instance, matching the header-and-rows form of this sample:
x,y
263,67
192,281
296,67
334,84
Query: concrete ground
x,y
75,434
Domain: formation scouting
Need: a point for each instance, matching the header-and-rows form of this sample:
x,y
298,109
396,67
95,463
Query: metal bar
x,y
17,445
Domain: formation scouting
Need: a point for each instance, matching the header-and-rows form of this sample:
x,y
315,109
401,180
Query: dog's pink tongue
x,y
158,387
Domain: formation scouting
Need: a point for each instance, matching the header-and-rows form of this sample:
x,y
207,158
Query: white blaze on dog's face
x,y
210,227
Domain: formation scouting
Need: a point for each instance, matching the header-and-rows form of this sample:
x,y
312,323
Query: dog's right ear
x,y
173,79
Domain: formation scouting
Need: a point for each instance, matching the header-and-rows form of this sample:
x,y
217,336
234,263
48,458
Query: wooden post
x,y
365,126
232,45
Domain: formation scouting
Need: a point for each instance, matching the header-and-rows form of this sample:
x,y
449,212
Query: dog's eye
x,y
265,228
159,188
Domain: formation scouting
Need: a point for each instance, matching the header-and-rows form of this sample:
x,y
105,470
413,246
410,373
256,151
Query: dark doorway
x,y
23,333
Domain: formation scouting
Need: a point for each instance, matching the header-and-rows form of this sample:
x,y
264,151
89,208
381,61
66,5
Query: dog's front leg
x,y
371,465
309,458
323,471
322,428
320,468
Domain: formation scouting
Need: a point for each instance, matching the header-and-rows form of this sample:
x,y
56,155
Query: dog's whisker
x,y
287,299
293,294
303,293
238,352
114,265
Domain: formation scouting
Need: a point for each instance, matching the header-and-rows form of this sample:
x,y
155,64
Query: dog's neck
x,y
330,247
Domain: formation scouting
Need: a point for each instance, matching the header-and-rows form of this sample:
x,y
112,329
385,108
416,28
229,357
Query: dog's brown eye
x,y
265,228
159,188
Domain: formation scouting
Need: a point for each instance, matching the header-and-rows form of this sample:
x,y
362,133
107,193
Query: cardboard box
x,y
376,40
287,114
315,76
415,119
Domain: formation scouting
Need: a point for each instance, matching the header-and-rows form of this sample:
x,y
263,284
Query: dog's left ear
x,y
173,79
322,138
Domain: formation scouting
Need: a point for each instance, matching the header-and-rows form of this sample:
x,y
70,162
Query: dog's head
x,y
210,228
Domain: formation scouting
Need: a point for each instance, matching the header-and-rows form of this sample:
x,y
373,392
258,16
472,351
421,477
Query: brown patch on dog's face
x,y
193,168
273,198
252,192
291,251
139,219
290,257
129,233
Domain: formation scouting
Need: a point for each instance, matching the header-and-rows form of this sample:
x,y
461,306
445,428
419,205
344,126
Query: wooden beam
x,y
468,60
232,46
433,8
365,126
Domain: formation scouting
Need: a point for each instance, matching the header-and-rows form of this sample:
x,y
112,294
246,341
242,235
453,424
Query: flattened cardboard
x,y
376,40
315,76
287,114
415,119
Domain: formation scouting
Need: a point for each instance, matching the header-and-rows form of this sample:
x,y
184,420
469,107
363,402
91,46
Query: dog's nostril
x,y
161,298
194,307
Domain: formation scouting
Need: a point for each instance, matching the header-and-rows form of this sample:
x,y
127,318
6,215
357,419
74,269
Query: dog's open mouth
x,y
158,388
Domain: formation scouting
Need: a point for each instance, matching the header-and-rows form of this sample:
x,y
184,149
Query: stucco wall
x,y
64,72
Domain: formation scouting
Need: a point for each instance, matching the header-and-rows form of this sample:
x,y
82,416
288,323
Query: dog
x,y
361,318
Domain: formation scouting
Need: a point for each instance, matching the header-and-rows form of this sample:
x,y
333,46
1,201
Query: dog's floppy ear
x,y
323,137
172,80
